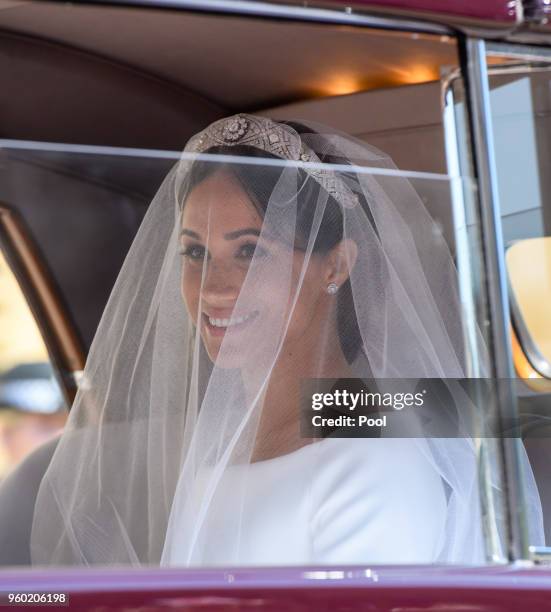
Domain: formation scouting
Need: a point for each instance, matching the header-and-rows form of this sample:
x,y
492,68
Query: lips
x,y
218,325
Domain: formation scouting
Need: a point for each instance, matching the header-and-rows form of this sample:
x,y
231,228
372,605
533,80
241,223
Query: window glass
x,y
32,408
185,444
520,115
400,232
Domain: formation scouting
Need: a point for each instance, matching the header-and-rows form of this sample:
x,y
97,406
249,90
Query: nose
x,y
221,284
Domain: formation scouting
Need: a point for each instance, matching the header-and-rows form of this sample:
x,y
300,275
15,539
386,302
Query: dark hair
x,y
259,181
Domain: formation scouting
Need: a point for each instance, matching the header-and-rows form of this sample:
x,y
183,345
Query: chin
x,y
230,347
223,360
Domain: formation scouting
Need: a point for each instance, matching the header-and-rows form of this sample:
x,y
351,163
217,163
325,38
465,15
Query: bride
x,y
273,254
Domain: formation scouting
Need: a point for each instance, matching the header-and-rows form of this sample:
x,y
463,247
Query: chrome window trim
x,y
466,279
518,50
541,554
292,12
459,214
478,105
466,270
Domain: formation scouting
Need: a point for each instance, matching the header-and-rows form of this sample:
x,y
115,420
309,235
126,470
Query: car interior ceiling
x,y
211,57
149,79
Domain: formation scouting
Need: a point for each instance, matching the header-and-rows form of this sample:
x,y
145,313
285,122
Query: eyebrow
x,y
186,232
230,236
242,232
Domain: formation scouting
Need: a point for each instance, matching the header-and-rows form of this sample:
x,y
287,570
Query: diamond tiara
x,y
277,139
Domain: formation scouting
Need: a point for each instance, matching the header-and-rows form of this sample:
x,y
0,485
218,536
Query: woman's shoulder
x,y
377,500
372,458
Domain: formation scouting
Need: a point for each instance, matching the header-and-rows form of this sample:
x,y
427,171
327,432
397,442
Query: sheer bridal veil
x,y
272,253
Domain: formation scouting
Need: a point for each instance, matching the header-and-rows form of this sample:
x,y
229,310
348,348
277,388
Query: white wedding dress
x,y
335,502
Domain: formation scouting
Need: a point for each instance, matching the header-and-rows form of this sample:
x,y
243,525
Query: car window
x,y
85,204
32,407
520,107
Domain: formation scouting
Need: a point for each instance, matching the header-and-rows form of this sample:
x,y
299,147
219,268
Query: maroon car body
x,y
381,589
493,11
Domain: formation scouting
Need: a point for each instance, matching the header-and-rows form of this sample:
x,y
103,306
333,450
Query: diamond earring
x,y
332,288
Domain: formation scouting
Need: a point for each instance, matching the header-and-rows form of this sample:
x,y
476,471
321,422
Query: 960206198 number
x,y
44,598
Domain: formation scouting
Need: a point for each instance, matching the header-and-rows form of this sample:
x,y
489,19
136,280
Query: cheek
x,y
191,287
303,314
306,308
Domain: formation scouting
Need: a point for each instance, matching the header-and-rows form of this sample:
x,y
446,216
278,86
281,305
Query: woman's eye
x,y
194,252
250,250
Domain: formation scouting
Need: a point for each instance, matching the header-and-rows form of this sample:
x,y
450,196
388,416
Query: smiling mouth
x,y
218,325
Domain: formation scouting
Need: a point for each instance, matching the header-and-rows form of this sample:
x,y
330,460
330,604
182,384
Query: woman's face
x,y
238,284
